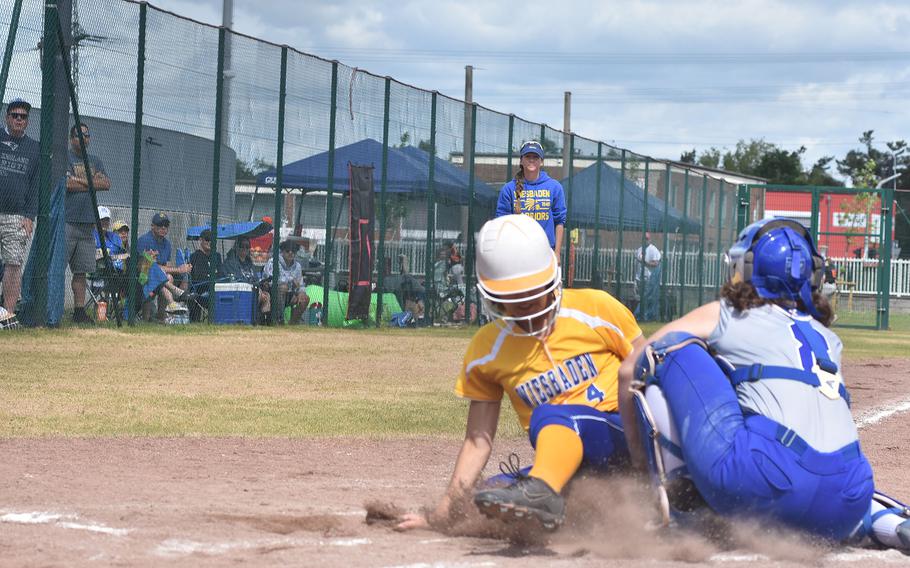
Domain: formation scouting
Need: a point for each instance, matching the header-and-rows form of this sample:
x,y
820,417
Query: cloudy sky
x,y
657,77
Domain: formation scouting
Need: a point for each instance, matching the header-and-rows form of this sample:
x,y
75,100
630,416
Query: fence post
x,y
216,166
640,263
279,188
41,238
511,142
10,43
887,197
744,197
330,187
567,228
383,182
132,275
622,202
685,241
665,272
430,299
701,240
718,259
469,261
597,282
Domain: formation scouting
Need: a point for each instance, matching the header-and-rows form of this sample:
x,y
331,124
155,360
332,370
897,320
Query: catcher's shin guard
x,y
675,491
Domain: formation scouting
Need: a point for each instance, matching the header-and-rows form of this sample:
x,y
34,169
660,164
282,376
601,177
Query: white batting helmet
x,y
516,265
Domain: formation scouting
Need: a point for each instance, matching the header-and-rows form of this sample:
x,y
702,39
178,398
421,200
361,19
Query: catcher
x,y
743,400
556,354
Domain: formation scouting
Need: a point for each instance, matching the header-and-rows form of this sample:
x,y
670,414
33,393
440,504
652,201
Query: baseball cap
x,y
532,147
18,103
267,219
206,235
161,219
120,224
104,212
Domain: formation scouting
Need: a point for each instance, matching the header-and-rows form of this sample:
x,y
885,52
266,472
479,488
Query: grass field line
x,y
877,414
61,520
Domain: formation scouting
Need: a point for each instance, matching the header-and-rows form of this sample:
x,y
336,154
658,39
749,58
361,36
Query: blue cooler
x,y
233,303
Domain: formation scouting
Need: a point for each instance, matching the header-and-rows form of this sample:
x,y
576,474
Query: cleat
x,y
903,533
527,498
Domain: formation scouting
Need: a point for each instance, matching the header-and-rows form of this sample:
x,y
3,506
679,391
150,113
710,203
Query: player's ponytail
x,y
519,188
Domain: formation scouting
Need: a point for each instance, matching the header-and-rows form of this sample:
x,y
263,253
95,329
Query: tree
x,y
780,166
247,171
710,158
688,157
747,156
818,174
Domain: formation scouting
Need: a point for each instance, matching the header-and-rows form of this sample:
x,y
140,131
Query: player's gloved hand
x,y
411,521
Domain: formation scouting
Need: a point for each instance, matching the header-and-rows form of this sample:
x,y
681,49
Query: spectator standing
x,y
290,281
647,281
535,194
80,215
19,157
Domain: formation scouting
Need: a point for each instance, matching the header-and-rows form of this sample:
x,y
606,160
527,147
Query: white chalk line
x,y
847,555
183,547
444,565
65,521
876,415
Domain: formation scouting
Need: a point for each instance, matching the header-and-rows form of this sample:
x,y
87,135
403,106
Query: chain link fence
x,y
150,90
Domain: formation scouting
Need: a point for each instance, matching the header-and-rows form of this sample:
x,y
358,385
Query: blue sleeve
x,y
505,205
558,205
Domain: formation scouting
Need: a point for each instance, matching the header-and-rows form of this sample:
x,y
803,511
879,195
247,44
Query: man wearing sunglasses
x,y
80,215
19,157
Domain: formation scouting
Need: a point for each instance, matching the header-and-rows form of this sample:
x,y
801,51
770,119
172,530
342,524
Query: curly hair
x,y
743,296
519,188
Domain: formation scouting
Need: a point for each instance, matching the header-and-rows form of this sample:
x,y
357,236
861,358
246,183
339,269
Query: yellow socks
x,y
558,455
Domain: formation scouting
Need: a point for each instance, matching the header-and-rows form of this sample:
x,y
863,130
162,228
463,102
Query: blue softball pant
x,y
751,466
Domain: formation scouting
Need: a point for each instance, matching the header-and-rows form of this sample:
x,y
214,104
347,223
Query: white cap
x,y
104,212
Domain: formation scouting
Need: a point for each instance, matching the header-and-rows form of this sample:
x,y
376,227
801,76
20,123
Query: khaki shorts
x,y
13,241
80,247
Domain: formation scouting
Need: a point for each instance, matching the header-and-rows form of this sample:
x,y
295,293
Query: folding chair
x,y
104,285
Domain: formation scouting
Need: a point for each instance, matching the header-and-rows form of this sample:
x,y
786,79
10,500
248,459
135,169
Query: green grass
x,y
224,381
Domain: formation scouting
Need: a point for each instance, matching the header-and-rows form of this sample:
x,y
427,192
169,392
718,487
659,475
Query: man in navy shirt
x,y
19,157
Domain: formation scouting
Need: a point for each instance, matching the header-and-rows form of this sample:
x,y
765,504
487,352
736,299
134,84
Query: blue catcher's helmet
x,y
778,257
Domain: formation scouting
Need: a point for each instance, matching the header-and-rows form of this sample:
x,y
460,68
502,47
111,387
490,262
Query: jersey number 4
x,y
595,393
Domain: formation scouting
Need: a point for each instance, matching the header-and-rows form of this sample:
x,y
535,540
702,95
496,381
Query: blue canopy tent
x,y
584,192
250,229
408,173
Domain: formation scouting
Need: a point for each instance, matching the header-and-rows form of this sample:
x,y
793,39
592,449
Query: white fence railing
x,y
859,274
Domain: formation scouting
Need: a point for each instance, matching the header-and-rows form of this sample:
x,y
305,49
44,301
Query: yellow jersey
x,y
577,364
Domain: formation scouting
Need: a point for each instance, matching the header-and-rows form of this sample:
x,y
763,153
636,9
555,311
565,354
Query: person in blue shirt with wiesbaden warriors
x,y
535,194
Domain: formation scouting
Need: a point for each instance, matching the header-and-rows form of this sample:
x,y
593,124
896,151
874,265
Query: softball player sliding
x,y
743,398
556,354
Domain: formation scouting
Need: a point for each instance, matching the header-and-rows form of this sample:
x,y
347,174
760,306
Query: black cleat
x,y
527,498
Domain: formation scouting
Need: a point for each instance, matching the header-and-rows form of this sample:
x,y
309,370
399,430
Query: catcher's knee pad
x,y
647,367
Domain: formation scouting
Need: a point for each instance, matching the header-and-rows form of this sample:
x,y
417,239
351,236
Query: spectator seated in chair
x,y
411,293
238,266
199,276
290,281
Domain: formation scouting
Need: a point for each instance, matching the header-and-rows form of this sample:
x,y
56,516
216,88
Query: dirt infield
x,y
268,501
